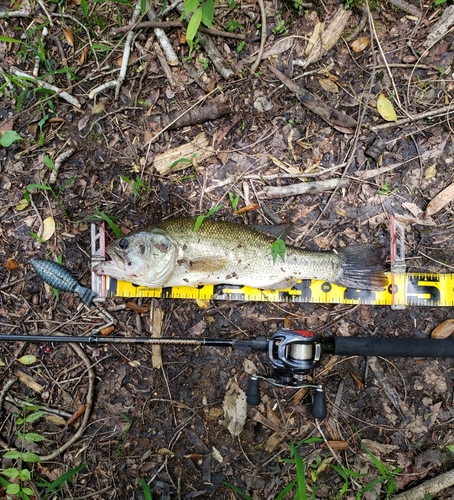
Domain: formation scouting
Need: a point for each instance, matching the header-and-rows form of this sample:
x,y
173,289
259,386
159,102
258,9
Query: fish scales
x,y
57,276
171,253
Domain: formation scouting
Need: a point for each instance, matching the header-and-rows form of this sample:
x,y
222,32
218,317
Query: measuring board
x,y
407,289
403,289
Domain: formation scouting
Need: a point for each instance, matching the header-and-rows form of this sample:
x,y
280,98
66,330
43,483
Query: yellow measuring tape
x,y
404,289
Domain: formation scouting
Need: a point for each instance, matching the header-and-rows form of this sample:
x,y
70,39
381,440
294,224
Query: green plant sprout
x,y
234,200
101,216
201,218
28,415
201,11
280,29
385,190
145,489
138,186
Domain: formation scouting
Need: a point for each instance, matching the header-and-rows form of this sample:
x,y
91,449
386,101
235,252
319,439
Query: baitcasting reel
x,y
293,354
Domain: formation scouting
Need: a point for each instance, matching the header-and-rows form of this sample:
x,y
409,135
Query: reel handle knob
x,y
319,404
253,392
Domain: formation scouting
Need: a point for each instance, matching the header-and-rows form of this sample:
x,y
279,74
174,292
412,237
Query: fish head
x,y
146,258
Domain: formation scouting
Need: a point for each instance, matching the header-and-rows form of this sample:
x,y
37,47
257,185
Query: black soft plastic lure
x,y
57,276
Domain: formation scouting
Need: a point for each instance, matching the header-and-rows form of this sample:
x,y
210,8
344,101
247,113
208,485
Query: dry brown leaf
x,y
360,44
69,36
444,330
328,85
7,125
338,445
315,38
11,264
440,200
83,56
108,330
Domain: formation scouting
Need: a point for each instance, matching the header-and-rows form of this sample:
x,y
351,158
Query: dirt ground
x,y
110,152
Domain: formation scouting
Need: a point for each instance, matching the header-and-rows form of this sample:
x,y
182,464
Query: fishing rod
x,y
291,353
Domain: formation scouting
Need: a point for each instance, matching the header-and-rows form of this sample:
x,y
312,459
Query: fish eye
x,y
123,243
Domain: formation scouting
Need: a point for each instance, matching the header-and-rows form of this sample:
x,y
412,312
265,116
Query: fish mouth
x,y
112,267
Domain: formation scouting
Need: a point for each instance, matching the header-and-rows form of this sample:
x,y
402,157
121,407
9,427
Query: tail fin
x,y
362,267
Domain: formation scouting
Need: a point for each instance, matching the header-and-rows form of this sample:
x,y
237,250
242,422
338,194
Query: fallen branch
x,y
427,114
61,93
314,103
303,188
205,113
175,24
430,487
164,42
406,7
262,36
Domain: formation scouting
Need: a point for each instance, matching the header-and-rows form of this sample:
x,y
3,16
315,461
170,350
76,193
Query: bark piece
x,y
194,116
199,146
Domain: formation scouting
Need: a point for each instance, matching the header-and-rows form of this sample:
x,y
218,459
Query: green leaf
x,y
24,475
208,13
238,490
182,160
28,359
12,489
63,478
9,40
288,488
8,137
191,6
450,447
27,491
146,489
32,437
278,249
49,162
34,416
193,26
38,186
28,456
300,473
12,472
12,454
201,218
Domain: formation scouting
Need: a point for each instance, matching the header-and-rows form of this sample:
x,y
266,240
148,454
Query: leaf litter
x,y
120,136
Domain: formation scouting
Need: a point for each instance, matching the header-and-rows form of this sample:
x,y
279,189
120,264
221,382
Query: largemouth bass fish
x,y
170,253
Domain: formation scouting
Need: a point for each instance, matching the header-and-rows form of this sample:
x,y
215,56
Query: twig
x,y
41,4
40,219
262,37
57,164
164,42
16,13
61,93
428,488
303,188
427,114
175,24
406,7
126,52
89,404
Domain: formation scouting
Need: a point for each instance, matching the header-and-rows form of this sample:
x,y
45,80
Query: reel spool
x,y
293,354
